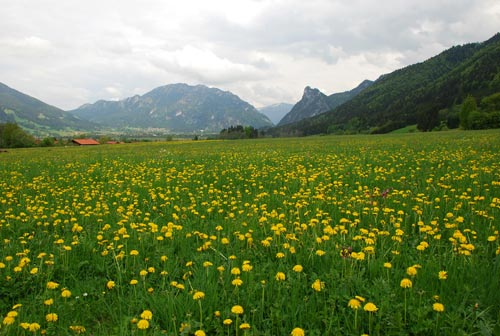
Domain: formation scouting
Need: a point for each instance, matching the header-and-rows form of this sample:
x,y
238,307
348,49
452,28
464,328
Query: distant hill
x,y
276,112
176,108
425,94
314,102
36,117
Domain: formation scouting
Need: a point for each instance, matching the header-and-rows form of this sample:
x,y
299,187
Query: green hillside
x,y
426,94
35,116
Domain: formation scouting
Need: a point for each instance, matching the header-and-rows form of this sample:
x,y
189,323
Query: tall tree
x,y
469,105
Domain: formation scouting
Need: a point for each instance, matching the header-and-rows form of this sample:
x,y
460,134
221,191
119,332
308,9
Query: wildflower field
x,y
346,235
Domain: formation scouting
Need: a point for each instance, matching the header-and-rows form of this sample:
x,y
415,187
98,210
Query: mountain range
x,y
314,102
276,112
175,108
37,117
426,94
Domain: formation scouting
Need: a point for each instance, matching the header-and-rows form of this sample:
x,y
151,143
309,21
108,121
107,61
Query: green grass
x,y
187,217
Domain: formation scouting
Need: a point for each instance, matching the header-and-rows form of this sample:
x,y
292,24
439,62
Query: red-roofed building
x,y
86,142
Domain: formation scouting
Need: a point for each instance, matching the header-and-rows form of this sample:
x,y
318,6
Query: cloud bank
x,y
68,53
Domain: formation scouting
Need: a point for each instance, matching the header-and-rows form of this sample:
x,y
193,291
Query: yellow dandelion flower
x,y
134,282
66,293
280,276
34,327
147,315
199,333
318,285
134,252
297,268
48,302
244,326
370,307
8,320
354,304
246,267
110,284
443,275
320,253
439,307
198,295
406,283
237,282
227,321
77,329
143,324
297,332
52,285
411,271
387,265
51,317
237,309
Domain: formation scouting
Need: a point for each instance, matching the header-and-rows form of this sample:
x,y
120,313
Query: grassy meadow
x,y
349,235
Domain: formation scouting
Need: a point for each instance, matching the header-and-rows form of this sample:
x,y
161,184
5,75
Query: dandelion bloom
x,y
227,321
411,271
297,332
297,268
134,282
238,310
65,293
77,329
51,317
8,320
318,285
237,282
320,253
199,333
406,283
280,276
52,285
147,315
370,307
244,326
354,304
235,271
134,252
439,307
143,324
33,327
48,302
110,284
387,265
443,275
246,267
198,295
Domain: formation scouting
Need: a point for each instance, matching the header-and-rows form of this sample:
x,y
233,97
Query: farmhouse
x,y
85,142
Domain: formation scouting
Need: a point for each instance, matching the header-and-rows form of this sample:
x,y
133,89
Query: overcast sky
x,y
70,52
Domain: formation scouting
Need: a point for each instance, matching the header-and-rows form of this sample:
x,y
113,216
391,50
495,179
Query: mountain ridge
x,y
314,102
425,93
176,108
37,117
